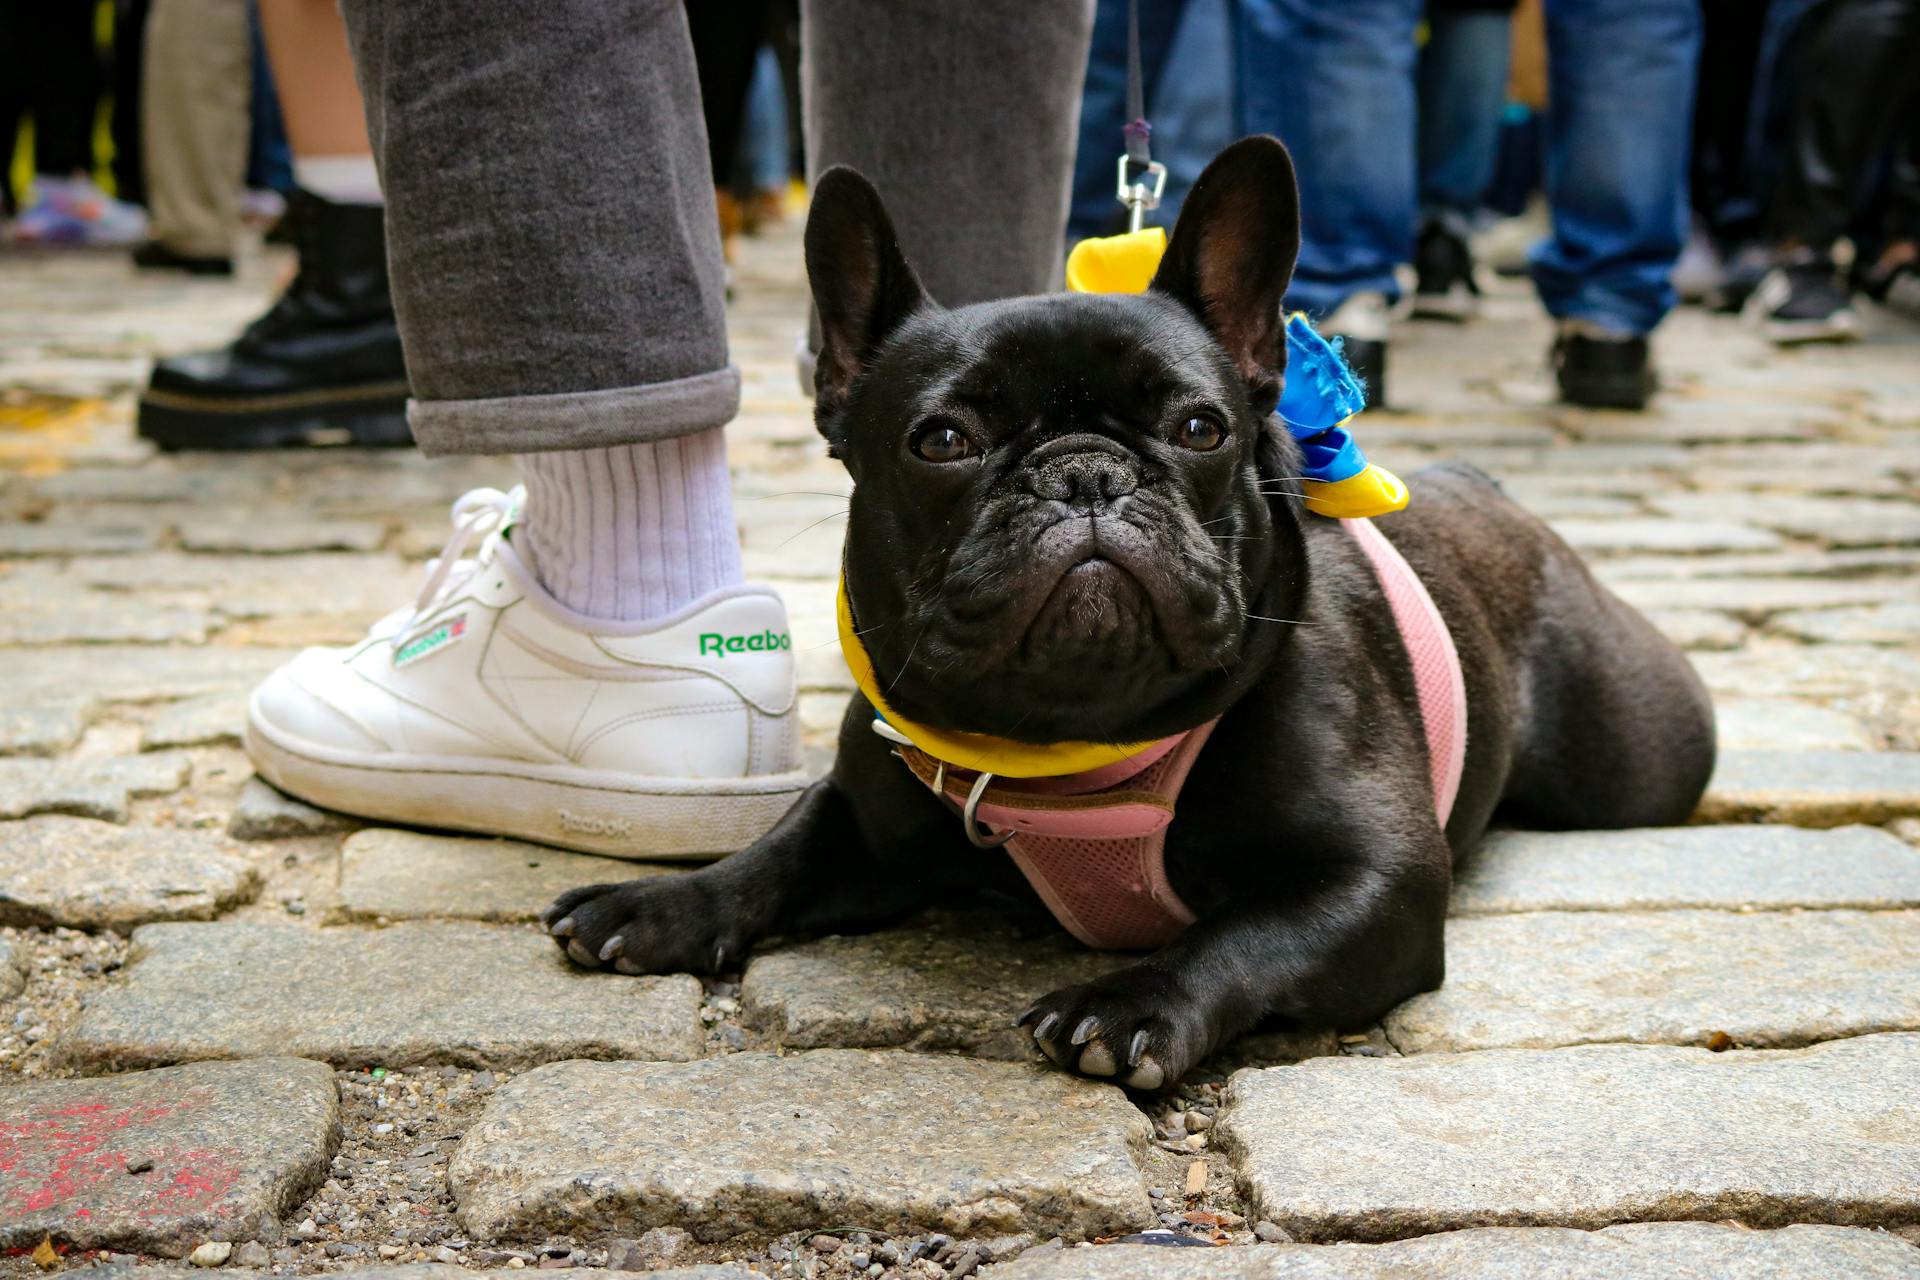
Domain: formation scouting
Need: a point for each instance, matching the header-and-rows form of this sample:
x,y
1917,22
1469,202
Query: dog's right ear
x,y
862,285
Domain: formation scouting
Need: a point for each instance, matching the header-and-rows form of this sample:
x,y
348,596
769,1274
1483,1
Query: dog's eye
x,y
1200,433
941,443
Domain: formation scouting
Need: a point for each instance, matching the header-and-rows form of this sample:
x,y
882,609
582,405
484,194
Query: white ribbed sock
x,y
631,532
341,179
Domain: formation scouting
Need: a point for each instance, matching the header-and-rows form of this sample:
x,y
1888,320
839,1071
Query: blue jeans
x,y
1185,45
1463,88
1334,80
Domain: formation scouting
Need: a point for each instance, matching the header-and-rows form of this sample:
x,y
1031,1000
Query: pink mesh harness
x,y
1093,845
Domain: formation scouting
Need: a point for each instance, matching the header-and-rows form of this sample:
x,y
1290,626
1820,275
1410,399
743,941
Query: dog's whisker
x,y
1292,622
837,515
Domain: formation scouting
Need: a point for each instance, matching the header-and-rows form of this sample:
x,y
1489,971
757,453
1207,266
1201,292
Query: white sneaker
x,y
489,706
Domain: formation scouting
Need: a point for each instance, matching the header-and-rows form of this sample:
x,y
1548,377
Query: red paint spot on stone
x,y
74,1158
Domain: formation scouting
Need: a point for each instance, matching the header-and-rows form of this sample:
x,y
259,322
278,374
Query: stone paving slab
x,y
403,875
85,620
92,788
1699,628
756,1143
1889,624
1631,1251
1768,979
1690,537
134,673
1581,1137
160,1161
948,984
1816,671
282,532
197,722
1783,724
1813,788
263,813
467,994
1659,869
1836,522
43,728
1757,597
86,874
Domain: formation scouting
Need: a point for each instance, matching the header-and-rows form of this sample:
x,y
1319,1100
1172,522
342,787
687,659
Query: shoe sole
x,y
1457,306
592,810
370,417
1619,392
1841,327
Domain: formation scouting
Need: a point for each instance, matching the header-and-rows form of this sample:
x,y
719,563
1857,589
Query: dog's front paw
x,y
1126,1025
664,924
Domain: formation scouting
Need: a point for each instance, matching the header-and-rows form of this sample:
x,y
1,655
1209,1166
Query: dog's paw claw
x,y
1126,1027
663,924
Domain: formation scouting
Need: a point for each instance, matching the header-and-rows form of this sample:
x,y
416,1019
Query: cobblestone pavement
x,y
235,1027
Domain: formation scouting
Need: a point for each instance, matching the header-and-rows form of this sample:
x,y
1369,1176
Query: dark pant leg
x,y
726,36
64,68
1858,65
964,115
550,220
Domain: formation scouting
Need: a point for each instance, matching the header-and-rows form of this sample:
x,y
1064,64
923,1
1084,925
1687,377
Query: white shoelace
x,y
478,515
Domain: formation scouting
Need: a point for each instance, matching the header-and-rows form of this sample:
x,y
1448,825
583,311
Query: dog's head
x,y
1065,507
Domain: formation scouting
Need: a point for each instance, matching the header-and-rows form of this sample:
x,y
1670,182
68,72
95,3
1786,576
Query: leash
x,y
1142,178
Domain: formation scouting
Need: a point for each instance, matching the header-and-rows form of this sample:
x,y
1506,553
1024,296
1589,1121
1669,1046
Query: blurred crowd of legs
x,y
1760,156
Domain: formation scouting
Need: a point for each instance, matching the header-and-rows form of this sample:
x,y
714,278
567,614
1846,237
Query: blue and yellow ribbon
x,y
1320,399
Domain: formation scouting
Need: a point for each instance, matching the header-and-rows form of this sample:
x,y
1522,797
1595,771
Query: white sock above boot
x,y
633,531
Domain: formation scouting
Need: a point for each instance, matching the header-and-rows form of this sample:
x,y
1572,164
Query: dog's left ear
x,y
1232,254
862,284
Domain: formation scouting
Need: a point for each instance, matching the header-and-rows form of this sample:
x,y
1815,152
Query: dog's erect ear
x,y
862,285
1232,254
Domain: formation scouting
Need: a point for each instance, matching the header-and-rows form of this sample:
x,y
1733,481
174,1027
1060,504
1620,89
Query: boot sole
x,y
592,810
1607,392
369,417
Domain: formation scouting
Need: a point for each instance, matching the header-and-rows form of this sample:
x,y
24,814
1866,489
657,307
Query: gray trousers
x,y
551,230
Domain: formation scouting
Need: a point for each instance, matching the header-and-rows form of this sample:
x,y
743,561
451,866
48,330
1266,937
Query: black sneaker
x,y
323,366
1361,324
155,256
1444,263
1803,300
1896,288
1602,370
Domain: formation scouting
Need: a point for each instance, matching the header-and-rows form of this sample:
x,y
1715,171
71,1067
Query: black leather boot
x,y
322,366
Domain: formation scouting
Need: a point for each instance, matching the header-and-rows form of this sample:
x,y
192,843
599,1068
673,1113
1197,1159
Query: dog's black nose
x,y
1087,481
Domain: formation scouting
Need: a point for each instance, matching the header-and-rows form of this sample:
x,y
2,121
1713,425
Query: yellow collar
x,y
978,752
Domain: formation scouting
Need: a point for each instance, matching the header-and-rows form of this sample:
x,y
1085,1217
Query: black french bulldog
x,y
987,444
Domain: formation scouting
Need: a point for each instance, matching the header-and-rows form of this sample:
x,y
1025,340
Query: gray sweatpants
x,y
550,220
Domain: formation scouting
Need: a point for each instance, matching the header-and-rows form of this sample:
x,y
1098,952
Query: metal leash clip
x,y
1140,193
968,813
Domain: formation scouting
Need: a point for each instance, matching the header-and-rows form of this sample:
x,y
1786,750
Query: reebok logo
x,y
720,646
586,824
432,642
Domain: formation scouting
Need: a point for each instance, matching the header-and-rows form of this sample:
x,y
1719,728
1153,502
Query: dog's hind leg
x,y
1615,728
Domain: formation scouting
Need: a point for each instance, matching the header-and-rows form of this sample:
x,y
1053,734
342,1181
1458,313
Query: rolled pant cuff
x,y
577,419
